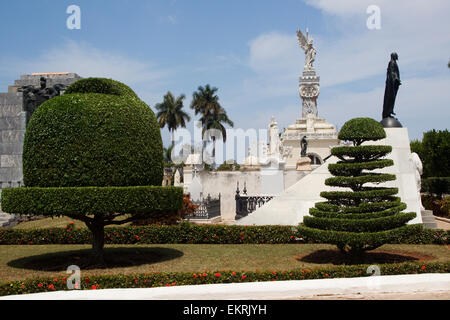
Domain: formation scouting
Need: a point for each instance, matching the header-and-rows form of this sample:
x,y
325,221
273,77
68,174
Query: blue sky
x,y
248,49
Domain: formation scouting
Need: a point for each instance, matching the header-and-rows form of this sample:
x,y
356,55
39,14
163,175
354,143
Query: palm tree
x,y
213,115
167,155
170,113
215,120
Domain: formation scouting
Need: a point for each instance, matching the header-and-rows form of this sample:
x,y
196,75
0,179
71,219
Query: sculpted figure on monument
x,y
418,166
33,97
304,146
307,45
392,84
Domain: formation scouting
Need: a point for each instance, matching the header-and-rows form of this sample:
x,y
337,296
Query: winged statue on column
x,y
306,44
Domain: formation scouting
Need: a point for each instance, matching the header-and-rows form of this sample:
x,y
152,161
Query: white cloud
x,y
416,30
274,53
88,61
351,61
172,19
421,104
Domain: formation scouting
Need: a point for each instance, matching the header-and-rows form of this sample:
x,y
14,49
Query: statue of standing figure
x,y
274,136
392,84
418,166
306,44
304,146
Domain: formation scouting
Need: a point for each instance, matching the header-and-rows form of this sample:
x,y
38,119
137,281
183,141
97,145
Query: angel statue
x,y
307,46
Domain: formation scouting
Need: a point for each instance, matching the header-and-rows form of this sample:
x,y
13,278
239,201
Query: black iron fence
x,y
247,204
208,208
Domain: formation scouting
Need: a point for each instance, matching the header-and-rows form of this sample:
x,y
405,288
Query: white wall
x,y
224,182
293,204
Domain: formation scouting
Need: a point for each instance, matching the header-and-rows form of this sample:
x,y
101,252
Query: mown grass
x,y
57,222
22,262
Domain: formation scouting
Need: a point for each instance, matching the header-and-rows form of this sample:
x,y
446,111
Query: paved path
x,y
442,223
422,286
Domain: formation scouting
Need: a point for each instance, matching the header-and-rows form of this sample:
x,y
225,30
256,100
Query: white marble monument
x,y
293,204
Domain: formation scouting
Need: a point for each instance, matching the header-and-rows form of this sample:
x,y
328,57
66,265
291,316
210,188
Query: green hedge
x,y
189,234
168,279
363,207
361,129
75,201
92,139
372,224
361,240
436,185
370,194
365,153
349,169
359,180
101,85
366,215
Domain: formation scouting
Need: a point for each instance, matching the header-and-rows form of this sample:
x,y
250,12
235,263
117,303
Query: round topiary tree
x,y
366,216
93,154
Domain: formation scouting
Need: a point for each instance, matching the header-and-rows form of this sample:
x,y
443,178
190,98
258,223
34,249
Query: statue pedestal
x,y
390,122
309,92
304,164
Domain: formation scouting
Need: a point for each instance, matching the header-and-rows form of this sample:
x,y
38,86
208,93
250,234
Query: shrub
x,y
440,207
76,202
434,151
164,218
229,166
101,85
436,186
92,140
93,154
361,129
190,234
365,217
168,279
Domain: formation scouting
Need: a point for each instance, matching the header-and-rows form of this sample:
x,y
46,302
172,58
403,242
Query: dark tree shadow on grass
x,y
336,257
114,258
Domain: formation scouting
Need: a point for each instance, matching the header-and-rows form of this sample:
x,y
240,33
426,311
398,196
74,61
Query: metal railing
x,y
208,208
247,204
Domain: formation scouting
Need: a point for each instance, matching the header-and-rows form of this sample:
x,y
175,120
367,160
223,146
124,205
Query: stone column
x,y
309,92
12,132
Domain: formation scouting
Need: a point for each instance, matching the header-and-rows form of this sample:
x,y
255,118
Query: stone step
x,y
430,225
428,219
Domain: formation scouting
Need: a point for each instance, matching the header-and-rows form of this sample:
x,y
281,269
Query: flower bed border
x,y
157,279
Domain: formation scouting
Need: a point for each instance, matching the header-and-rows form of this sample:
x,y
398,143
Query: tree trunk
x,y
98,242
173,137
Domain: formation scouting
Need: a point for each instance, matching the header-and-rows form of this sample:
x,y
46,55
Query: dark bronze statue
x,y
392,84
33,97
304,146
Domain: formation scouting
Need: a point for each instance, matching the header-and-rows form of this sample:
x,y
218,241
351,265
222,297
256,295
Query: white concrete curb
x,y
409,284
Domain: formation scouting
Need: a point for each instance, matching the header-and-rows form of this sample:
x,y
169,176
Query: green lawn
x,y
22,262
56,222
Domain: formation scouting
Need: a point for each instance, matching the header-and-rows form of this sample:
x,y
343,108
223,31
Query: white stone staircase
x,y
428,219
293,204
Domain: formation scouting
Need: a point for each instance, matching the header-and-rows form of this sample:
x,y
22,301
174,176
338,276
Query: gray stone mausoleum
x,y
13,120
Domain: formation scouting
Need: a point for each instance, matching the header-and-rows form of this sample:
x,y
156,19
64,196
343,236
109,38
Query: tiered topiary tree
x,y
93,154
366,216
